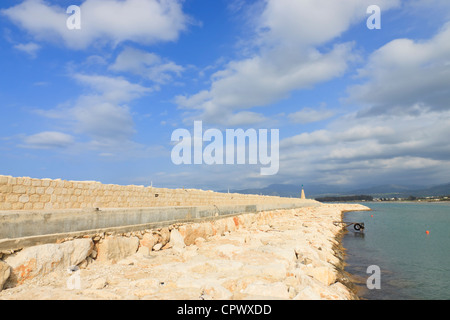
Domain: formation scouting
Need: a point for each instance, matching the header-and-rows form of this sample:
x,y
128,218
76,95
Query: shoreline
x,y
280,254
345,277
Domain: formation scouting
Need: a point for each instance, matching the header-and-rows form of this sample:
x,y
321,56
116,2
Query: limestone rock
x,y
324,274
114,249
228,250
145,251
43,259
165,236
149,240
199,241
216,292
176,239
271,270
273,290
100,283
196,230
341,290
307,294
5,271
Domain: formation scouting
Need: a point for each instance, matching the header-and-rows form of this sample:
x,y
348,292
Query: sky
x,y
353,106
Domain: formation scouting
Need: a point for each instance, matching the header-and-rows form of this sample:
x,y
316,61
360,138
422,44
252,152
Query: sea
x,y
403,253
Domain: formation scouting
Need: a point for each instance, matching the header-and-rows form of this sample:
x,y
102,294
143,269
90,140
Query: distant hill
x,y
440,190
314,191
402,191
288,190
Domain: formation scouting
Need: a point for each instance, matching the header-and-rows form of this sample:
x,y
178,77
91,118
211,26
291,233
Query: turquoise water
x,y
414,265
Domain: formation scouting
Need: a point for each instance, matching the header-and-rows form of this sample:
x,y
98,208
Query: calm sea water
x,y
413,265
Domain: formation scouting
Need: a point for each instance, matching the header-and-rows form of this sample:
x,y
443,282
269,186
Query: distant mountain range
x,y
314,191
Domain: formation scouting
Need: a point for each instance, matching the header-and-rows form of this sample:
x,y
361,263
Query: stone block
x,y
19,189
38,206
17,206
24,198
4,180
114,249
5,271
43,259
149,240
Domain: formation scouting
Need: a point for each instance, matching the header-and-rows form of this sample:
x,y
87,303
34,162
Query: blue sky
x,y
354,107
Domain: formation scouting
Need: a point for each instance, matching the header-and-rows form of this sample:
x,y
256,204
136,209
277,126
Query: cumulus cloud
x,y
286,57
311,23
406,77
146,64
112,89
309,115
48,140
102,114
351,149
102,22
30,48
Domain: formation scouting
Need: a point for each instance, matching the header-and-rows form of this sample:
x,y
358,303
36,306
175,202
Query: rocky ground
x,y
285,254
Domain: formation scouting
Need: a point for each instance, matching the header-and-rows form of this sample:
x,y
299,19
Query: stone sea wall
x,y
23,193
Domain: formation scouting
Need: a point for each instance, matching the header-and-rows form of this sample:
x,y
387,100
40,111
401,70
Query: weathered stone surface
x,y
216,292
228,250
199,241
273,290
307,294
176,239
145,251
43,259
100,283
113,249
5,271
164,236
324,274
197,230
149,240
275,271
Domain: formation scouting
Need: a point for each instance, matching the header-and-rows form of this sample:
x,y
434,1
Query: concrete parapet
x,y
19,229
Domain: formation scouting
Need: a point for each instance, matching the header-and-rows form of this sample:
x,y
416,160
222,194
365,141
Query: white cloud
x,y
266,79
113,89
406,77
285,58
102,22
308,115
48,140
312,22
103,114
103,121
376,149
147,65
30,48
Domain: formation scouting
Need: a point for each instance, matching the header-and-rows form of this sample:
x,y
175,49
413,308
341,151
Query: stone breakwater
x,y
280,254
